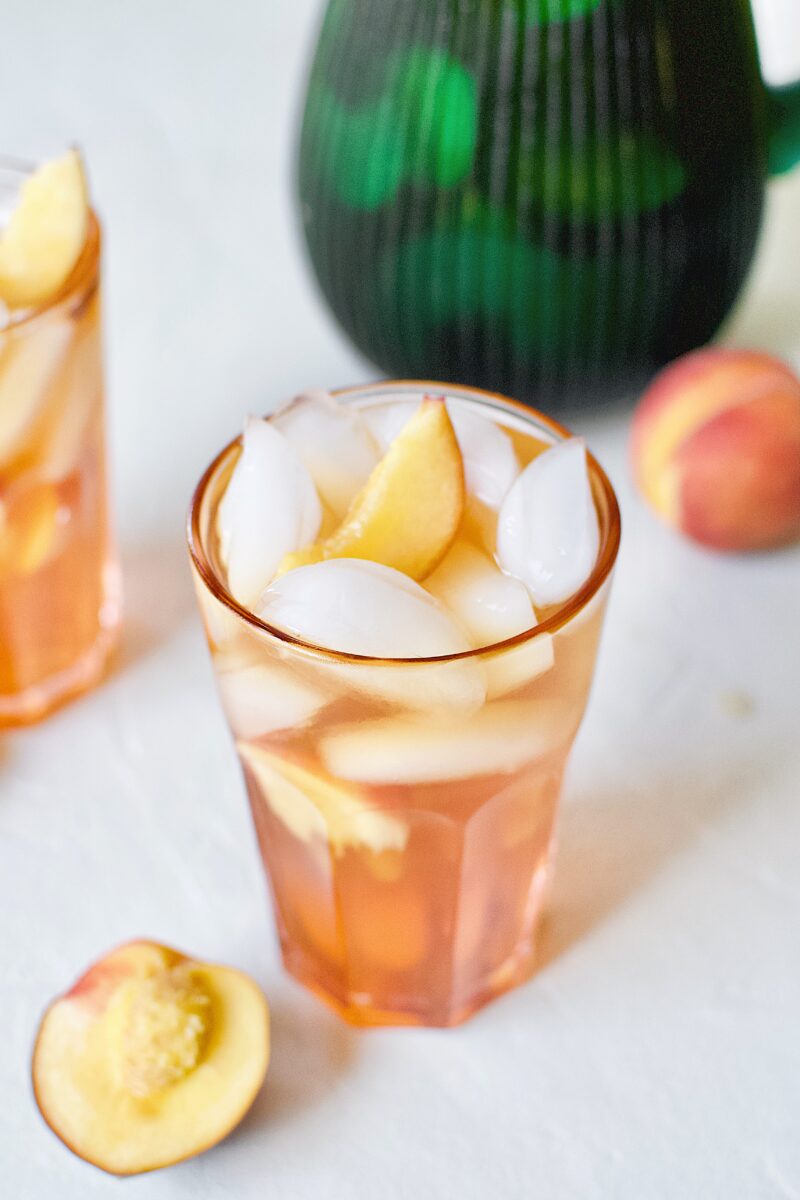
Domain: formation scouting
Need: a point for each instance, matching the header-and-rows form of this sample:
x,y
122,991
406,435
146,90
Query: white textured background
x,y
657,1054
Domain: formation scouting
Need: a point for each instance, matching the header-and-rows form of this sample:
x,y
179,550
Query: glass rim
x,y
81,278
609,533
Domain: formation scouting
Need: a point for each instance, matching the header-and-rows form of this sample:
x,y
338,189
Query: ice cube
x,y
490,605
312,806
387,420
270,508
261,698
361,607
335,444
503,737
490,463
547,532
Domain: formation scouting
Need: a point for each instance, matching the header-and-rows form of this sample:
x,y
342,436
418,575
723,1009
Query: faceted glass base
x,y
358,1009
448,999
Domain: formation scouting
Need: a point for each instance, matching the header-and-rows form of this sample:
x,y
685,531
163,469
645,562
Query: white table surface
x,y
657,1053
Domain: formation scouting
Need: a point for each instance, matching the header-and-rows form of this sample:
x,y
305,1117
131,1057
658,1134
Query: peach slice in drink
x,y
407,514
28,369
312,805
499,739
45,234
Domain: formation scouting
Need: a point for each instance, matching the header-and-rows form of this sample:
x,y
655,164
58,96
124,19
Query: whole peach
x,y
716,448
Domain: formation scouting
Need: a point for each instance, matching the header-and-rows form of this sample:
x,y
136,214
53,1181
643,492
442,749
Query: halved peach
x,y
46,232
150,1058
407,513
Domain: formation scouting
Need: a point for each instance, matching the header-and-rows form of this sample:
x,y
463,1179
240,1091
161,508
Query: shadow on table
x,y
612,846
311,1049
157,596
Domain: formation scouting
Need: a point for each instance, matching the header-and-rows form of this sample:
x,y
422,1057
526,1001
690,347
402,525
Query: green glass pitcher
x,y
545,197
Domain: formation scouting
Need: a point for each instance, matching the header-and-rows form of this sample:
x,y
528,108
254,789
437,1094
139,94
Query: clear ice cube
x,y
360,607
335,444
490,463
259,698
547,532
490,605
269,509
386,421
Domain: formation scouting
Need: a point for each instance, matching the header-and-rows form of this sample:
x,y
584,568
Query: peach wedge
x,y
408,511
716,449
150,1058
46,232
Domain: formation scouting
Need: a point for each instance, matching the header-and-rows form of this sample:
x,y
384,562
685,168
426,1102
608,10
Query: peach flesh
x,y
150,1058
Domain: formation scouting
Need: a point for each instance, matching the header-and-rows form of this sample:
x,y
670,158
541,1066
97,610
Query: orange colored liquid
x,y
408,899
428,933
59,589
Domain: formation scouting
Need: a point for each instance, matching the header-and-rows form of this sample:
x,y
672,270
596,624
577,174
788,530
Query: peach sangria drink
x,y
403,593
59,590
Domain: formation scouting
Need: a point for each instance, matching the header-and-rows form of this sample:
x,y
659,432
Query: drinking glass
x,y
405,809
59,579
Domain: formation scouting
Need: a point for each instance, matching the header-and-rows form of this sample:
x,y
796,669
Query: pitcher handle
x,y
784,127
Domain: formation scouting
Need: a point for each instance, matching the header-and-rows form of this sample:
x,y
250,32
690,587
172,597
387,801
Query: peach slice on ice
x,y
407,513
46,233
150,1058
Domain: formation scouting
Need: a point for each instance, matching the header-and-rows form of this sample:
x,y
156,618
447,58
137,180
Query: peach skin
x,y
716,449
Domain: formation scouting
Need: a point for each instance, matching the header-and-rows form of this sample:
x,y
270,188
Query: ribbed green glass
x,y
545,197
